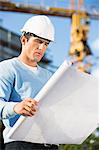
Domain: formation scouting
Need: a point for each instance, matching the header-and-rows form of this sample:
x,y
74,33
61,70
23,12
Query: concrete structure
x,y
9,44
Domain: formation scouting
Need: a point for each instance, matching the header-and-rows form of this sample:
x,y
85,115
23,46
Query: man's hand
x,y
28,107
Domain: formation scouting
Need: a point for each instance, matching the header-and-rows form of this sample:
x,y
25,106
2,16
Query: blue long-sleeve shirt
x,y
17,82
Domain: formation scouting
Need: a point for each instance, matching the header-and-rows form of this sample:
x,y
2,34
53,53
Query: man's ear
x,y
23,40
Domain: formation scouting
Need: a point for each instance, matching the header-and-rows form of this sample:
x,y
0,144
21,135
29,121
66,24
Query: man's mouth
x,y
38,53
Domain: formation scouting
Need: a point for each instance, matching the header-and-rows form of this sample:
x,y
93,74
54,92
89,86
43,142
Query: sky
x,y
59,49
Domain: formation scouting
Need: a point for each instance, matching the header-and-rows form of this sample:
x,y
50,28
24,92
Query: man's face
x,y
34,48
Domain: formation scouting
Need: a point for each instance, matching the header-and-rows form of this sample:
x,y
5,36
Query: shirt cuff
x,y
8,110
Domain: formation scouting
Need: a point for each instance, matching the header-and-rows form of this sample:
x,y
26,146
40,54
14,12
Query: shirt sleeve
x,y
8,110
6,86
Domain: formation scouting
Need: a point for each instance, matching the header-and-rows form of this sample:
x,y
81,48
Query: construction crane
x,y
79,49
7,5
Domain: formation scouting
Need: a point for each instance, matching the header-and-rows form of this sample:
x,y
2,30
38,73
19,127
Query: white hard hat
x,y
41,26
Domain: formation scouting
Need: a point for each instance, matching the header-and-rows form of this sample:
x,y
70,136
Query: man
x,y
21,78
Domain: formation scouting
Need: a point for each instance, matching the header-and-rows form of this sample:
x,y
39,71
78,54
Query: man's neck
x,y
27,61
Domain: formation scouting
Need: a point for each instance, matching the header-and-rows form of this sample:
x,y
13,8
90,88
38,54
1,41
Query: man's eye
x,y
38,41
46,44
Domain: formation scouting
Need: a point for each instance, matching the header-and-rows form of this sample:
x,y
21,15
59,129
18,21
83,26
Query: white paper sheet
x,y
68,111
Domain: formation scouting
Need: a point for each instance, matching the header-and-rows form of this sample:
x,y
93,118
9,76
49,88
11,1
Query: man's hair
x,y
28,35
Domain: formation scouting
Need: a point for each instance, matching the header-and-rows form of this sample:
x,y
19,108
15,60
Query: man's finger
x,y
28,113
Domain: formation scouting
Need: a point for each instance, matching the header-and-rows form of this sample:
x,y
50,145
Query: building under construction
x,y
9,44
